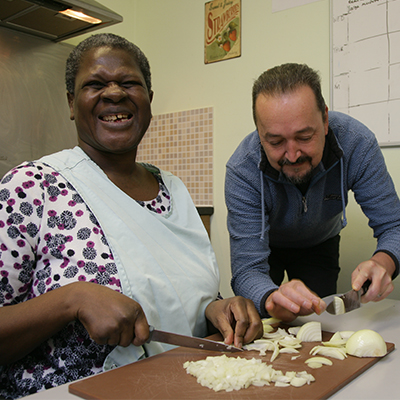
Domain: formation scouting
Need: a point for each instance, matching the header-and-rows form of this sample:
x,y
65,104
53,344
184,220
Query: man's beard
x,y
298,180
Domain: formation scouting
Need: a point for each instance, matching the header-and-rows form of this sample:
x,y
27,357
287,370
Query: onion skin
x,y
366,343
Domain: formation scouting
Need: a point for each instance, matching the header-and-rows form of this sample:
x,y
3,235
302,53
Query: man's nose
x,y
292,151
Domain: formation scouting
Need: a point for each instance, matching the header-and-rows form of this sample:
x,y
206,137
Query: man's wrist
x,y
387,261
263,308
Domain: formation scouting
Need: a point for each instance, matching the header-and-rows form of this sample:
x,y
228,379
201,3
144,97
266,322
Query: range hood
x,y
48,19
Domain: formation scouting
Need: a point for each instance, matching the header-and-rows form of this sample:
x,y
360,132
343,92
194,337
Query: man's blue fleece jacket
x,y
265,209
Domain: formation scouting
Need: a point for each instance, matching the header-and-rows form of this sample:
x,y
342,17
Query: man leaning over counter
x,y
286,192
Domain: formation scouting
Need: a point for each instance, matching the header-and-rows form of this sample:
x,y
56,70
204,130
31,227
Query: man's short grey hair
x,y
287,78
104,40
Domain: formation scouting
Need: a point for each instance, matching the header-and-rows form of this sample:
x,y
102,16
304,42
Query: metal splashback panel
x,y
34,113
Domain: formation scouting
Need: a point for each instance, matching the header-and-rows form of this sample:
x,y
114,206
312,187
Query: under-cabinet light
x,y
81,16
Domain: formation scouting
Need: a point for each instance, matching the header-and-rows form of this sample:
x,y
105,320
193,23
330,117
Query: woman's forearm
x,y
26,325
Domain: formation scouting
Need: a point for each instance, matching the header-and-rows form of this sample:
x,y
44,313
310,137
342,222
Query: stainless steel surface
x,y
188,341
34,112
42,18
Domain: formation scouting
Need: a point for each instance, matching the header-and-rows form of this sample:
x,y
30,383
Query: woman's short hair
x,y
74,60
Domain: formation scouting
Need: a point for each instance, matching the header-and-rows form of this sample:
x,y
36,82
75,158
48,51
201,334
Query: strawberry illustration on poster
x,y
222,30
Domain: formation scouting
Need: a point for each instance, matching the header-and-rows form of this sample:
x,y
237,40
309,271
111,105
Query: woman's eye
x,y
94,85
129,84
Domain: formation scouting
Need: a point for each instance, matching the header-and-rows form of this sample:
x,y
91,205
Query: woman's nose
x,y
113,92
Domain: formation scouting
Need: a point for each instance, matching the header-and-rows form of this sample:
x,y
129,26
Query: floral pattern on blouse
x,y
50,238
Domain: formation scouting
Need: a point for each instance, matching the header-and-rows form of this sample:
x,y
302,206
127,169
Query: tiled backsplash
x,y
182,142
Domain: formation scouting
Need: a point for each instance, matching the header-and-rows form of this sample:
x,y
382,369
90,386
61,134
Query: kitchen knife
x,y
348,301
188,341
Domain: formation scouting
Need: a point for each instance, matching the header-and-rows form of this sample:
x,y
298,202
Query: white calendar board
x,y
365,59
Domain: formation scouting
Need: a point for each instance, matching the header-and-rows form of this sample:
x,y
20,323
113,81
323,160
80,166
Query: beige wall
x,y
170,32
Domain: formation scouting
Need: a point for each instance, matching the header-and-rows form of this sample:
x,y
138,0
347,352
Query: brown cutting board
x,y
163,377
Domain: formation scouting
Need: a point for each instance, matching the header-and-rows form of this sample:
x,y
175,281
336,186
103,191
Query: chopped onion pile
x,y
278,342
364,343
230,373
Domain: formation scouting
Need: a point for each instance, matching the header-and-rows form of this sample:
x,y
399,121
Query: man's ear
x,y
326,122
71,98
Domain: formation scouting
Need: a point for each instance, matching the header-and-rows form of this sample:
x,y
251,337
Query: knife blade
x,y
347,302
189,341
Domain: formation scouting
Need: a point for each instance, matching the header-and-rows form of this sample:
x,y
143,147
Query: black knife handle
x,y
365,287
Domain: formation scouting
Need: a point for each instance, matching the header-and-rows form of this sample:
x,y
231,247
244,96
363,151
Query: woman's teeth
x,y
112,118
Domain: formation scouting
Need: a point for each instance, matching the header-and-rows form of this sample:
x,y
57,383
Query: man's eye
x,y
275,143
305,139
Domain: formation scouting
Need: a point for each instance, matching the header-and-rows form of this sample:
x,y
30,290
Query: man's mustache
x,y
300,160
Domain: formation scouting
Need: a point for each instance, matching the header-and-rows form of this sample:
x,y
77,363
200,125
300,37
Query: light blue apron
x,y
165,263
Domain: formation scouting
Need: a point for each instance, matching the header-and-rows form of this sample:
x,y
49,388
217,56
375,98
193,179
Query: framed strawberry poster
x,y
222,30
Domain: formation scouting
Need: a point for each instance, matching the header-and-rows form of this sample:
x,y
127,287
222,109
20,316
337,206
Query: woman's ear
x,y
71,98
151,94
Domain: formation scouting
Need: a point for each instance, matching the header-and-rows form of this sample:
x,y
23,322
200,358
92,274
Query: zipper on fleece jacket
x,y
304,201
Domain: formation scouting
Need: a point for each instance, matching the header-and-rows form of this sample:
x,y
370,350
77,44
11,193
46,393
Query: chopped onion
x,y
317,362
335,343
288,350
321,360
290,341
334,352
338,305
230,373
310,332
294,329
282,384
279,334
270,321
298,381
366,343
336,336
260,345
314,365
275,353
267,324
345,334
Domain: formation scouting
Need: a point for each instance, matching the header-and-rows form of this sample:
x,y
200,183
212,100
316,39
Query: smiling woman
x,y
111,109
96,246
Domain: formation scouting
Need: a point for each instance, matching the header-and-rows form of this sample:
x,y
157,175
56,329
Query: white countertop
x,y
379,382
